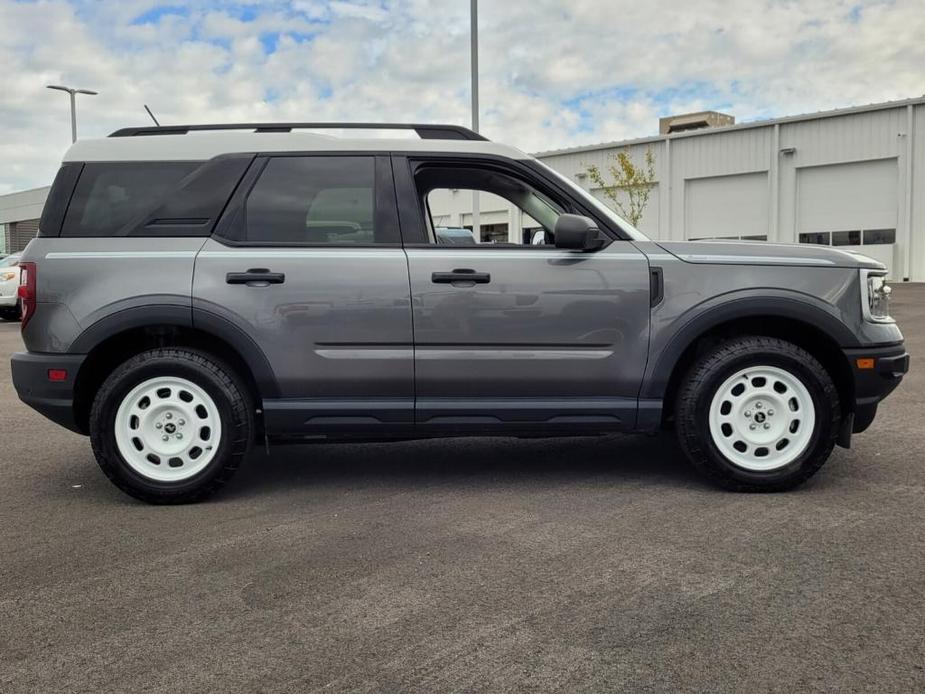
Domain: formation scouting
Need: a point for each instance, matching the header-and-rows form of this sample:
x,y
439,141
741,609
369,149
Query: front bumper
x,y
54,399
871,385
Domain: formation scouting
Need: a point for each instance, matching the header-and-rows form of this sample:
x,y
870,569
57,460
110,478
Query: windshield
x,y
632,231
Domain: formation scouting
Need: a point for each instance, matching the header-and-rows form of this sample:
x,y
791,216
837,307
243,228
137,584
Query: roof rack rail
x,y
424,131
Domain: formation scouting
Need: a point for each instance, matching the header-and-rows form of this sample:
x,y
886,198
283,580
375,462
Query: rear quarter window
x,y
110,196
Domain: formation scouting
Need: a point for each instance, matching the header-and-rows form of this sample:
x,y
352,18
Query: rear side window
x,y
109,196
316,200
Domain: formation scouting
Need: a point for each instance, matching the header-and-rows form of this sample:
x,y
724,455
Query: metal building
x,y
19,218
853,178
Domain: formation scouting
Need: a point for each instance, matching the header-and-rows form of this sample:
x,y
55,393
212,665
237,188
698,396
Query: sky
x,y
552,73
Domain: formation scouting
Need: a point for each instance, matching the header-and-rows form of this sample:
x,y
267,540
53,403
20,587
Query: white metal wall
x,y
833,172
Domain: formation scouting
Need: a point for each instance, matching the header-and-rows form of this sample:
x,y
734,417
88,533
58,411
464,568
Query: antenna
x,y
152,115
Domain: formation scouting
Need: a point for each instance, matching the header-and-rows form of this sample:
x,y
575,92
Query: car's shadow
x,y
480,461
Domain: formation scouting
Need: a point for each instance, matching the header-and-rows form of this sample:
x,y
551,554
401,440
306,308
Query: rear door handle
x,y
255,277
460,275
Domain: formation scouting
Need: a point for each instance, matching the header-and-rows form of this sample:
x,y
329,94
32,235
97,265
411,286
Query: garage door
x,y
841,197
726,206
854,206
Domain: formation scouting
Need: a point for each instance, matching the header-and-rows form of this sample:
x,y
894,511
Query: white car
x,y
9,285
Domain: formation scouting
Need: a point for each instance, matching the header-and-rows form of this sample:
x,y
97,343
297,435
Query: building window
x,y
820,238
855,237
846,238
879,236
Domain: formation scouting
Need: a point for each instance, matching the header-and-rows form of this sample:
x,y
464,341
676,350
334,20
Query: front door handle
x,y
460,275
255,277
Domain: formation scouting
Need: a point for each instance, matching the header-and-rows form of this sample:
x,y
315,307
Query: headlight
x,y
875,296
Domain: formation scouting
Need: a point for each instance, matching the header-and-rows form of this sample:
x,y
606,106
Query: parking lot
x,y
468,565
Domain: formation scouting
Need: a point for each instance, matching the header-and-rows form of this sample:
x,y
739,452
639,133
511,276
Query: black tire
x,y
707,375
220,382
10,314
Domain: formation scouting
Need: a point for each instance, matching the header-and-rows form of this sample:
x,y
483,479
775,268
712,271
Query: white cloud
x,y
553,73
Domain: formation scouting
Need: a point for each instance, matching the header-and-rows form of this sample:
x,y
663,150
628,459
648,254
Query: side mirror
x,y
578,233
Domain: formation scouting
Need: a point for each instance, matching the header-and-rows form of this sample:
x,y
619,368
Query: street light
x,y
72,93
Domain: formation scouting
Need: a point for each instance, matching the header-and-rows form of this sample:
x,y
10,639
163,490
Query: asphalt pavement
x,y
472,565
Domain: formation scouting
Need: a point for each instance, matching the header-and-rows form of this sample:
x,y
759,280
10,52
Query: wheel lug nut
x,y
181,422
758,405
748,413
169,415
158,425
179,436
752,426
767,426
770,414
165,437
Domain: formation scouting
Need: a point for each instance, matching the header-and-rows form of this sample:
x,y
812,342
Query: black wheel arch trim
x,y
798,308
194,318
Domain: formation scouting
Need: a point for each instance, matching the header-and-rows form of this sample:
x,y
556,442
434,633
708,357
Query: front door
x,y
307,264
510,331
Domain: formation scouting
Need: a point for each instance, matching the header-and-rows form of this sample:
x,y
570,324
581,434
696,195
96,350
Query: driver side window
x,y
510,211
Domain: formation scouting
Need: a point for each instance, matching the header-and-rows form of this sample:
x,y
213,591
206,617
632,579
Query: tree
x,y
634,181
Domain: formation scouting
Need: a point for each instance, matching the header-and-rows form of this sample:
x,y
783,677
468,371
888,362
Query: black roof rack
x,y
424,131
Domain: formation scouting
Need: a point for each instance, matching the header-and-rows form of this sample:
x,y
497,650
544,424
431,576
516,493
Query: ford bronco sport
x,y
194,289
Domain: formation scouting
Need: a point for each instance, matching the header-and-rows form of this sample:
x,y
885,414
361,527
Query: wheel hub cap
x,y
762,418
167,429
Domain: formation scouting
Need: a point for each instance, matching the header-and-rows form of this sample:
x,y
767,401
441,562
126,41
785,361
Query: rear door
x,y
307,265
509,330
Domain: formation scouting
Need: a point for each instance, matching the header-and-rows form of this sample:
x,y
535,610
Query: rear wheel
x,y
171,425
10,313
758,414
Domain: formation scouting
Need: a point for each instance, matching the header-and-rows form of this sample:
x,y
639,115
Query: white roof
x,y
199,146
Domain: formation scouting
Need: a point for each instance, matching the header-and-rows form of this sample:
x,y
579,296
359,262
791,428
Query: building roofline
x,y
24,190
882,106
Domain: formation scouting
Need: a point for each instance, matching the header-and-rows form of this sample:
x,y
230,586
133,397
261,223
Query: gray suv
x,y
194,289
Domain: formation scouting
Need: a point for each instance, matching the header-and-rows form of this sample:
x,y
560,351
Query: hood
x,y
762,253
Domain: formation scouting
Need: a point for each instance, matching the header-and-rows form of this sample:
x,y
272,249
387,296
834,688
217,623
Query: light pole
x,y
474,58
72,93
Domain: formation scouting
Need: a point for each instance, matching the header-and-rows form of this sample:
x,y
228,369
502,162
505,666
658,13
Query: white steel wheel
x,y
762,418
168,429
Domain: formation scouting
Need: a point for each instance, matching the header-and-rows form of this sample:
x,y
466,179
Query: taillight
x,y
27,290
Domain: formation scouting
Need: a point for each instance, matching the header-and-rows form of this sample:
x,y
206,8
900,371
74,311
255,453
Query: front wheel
x,y
171,425
758,414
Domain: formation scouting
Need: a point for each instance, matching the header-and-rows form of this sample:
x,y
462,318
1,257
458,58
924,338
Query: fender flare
x,y
805,309
183,317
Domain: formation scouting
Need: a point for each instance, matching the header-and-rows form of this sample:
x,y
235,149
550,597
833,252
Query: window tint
x,y
323,200
109,196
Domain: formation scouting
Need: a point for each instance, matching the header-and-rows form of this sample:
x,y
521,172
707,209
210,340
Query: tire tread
x,y
689,428
241,427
